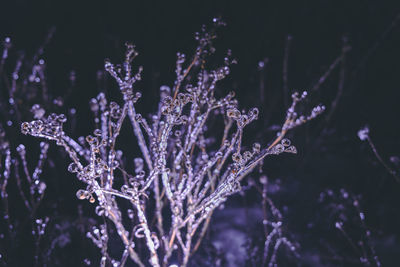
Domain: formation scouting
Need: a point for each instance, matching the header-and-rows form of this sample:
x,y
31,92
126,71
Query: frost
x,y
184,171
363,133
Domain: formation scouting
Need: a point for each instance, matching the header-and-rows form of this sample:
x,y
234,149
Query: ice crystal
x,y
182,174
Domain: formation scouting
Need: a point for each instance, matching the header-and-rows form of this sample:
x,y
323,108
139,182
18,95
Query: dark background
x,y
330,154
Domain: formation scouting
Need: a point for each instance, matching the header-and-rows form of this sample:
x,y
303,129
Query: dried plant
x,y
347,216
186,169
274,235
26,84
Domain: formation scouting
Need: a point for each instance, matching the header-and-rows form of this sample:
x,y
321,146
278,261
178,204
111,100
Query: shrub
x,y
187,167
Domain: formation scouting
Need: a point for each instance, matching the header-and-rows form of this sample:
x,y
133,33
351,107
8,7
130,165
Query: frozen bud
x,y
97,132
7,43
62,118
124,188
363,133
395,160
218,154
236,157
227,142
184,119
256,147
181,58
115,112
189,98
41,187
37,111
164,91
52,117
291,149
138,117
233,113
188,164
263,179
279,148
118,154
113,105
101,98
253,113
107,65
90,139
99,210
137,95
344,193
247,155
139,231
81,140
94,106
138,164
130,48
230,95
131,214
285,142
242,121
21,149
115,164
155,240
221,73
58,101
219,22
339,225
44,145
73,167
82,194
181,97
178,133
204,157
295,96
